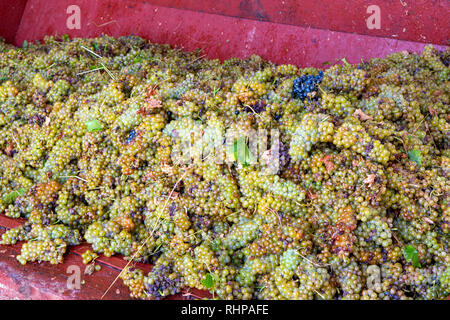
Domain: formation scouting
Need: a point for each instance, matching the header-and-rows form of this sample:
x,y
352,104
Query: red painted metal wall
x,y
10,15
303,32
414,20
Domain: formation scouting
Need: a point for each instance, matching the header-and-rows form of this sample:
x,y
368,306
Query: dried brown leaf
x,y
150,175
151,91
9,150
90,268
167,169
432,111
328,163
428,220
311,195
437,93
142,110
370,179
361,115
153,103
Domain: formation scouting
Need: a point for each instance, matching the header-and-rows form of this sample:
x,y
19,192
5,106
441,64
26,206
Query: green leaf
x,y
209,281
137,60
25,44
95,67
241,152
345,61
411,255
261,288
415,156
22,191
65,37
95,46
93,125
12,196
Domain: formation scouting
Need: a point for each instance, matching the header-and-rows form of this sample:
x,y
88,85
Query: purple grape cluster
x,y
306,84
160,284
131,136
257,107
283,155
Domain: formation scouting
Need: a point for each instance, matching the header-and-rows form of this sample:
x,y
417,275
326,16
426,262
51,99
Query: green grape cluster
x,y
313,128
336,105
354,137
111,141
42,250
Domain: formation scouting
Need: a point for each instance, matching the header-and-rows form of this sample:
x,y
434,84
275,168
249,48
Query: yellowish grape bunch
x,y
109,141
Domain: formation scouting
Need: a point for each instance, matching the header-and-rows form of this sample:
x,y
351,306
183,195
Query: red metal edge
x,y
418,20
43,281
219,36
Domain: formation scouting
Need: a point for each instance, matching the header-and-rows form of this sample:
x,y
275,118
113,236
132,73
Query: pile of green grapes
x,y
358,208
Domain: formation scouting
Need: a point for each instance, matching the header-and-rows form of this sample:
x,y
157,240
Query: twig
x,y
89,71
246,105
417,127
320,88
198,58
395,237
319,294
403,142
89,50
50,66
74,177
17,142
109,72
103,65
313,263
106,23
188,294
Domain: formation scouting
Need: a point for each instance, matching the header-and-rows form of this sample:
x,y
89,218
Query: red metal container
x,y
302,32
